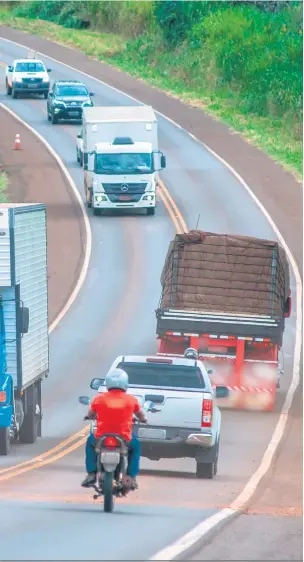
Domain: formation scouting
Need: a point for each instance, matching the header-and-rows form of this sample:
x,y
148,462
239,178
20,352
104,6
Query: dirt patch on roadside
x,y
35,177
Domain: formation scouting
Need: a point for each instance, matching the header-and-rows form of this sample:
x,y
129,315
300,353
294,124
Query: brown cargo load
x,y
227,273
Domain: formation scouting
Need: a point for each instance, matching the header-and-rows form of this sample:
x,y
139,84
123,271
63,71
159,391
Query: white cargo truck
x,y
121,157
24,340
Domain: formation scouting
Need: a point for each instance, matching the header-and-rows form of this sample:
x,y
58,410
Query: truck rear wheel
x,y
205,470
5,440
29,430
8,89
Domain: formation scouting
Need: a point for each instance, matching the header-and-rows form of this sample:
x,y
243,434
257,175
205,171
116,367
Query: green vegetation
x,y
240,61
3,187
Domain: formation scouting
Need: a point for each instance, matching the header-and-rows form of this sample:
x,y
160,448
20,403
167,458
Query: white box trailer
x,y
24,345
121,158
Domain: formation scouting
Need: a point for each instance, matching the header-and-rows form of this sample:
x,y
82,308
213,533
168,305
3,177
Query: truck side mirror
x,y
79,136
49,70
287,307
163,162
23,319
221,392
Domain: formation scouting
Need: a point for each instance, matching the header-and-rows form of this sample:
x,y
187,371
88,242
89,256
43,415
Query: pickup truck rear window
x,y
160,374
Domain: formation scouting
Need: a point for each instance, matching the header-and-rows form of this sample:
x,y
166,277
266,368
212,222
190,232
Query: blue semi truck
x,y
24,340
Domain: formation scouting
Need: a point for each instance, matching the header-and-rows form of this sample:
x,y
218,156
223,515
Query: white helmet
x,y
191,353
117,378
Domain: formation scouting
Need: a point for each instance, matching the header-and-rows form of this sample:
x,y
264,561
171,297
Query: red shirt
x,y
114,413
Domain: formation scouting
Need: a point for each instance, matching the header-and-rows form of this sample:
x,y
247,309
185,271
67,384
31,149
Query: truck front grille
x,y
32,80
124,188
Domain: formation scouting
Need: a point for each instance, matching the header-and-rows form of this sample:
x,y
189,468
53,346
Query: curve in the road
x,y
291,389
88,242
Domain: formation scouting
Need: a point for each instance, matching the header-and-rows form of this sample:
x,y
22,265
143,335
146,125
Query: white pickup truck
x,y
27,76
188,422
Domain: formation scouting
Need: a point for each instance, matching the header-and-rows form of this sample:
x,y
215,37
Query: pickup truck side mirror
x,y
96,383
10,68
92,94
79,136
210,371
49,70
221,392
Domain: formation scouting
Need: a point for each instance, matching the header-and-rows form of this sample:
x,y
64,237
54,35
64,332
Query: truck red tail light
x,y
3,396
207,411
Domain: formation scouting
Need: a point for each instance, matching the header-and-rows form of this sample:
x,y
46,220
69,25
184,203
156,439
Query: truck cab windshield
x,y
123,163
29,67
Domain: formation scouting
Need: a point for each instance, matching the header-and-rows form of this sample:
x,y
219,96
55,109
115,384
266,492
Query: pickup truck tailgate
x,y
178,408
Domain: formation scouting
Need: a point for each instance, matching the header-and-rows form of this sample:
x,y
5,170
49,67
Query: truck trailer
x,y
228,297
121,158
24,340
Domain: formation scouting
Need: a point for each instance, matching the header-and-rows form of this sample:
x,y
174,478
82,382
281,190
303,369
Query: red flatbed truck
x,y
228,297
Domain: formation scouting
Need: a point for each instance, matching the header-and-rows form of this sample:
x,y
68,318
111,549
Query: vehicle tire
x,y
54,119
45,95
5,440
205,470
77,156
49,117
96,212
14,94
151,211
29,430
8,89
108,502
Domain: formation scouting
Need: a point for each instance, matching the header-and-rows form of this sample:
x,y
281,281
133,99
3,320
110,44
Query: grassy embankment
x,y
240,64
3,187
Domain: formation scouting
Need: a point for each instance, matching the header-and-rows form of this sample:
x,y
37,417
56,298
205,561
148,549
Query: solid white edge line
x,y
194,536
88,241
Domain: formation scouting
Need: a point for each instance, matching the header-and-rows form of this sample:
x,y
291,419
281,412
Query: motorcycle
x,y
112,461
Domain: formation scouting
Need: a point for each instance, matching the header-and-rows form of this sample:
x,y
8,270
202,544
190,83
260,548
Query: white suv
x,y
27,76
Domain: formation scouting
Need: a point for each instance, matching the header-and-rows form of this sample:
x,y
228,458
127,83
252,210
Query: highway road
x,y
113,314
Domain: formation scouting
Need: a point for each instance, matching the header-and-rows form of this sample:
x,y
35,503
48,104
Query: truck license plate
x,y
124,198
151,433
33,85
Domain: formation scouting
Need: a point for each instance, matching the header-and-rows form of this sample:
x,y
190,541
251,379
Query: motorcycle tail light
x,y
110,442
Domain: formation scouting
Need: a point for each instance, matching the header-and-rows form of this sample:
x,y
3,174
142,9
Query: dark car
x,y
67,99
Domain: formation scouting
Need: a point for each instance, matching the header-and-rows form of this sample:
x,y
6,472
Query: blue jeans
x,y
133,456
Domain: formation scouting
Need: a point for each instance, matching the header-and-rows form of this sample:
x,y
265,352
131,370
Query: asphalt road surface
x,y
45,513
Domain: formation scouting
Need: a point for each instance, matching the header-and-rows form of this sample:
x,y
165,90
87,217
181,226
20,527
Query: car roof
x,y
69,82
143,358
29,60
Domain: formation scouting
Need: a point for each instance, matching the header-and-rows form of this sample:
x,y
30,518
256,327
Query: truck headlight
x,y
45,79
148,197
100,198
18,79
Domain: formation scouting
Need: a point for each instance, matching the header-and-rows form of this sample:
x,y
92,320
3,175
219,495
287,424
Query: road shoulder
x,y
34,176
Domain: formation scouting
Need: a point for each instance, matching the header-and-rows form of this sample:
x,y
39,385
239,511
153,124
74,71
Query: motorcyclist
x,y
114,411
191,353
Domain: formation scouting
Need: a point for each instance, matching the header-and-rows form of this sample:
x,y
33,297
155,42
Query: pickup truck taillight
x,y
207,408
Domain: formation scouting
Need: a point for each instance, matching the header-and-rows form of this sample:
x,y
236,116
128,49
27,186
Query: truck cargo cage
x,y
196,323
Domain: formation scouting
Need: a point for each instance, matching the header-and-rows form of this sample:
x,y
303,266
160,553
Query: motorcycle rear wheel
x,y
108,502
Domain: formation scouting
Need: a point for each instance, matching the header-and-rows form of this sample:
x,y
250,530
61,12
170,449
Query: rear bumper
x,y
177,437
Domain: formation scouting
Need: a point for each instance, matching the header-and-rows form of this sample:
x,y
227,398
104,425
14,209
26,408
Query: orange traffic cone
x,y
17,142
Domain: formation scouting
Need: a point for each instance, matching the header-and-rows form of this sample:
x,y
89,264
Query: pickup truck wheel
x,y
8,89
54,119
45,95
205,470
96,212
28,432
14,93
5,440
78,157
151,211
